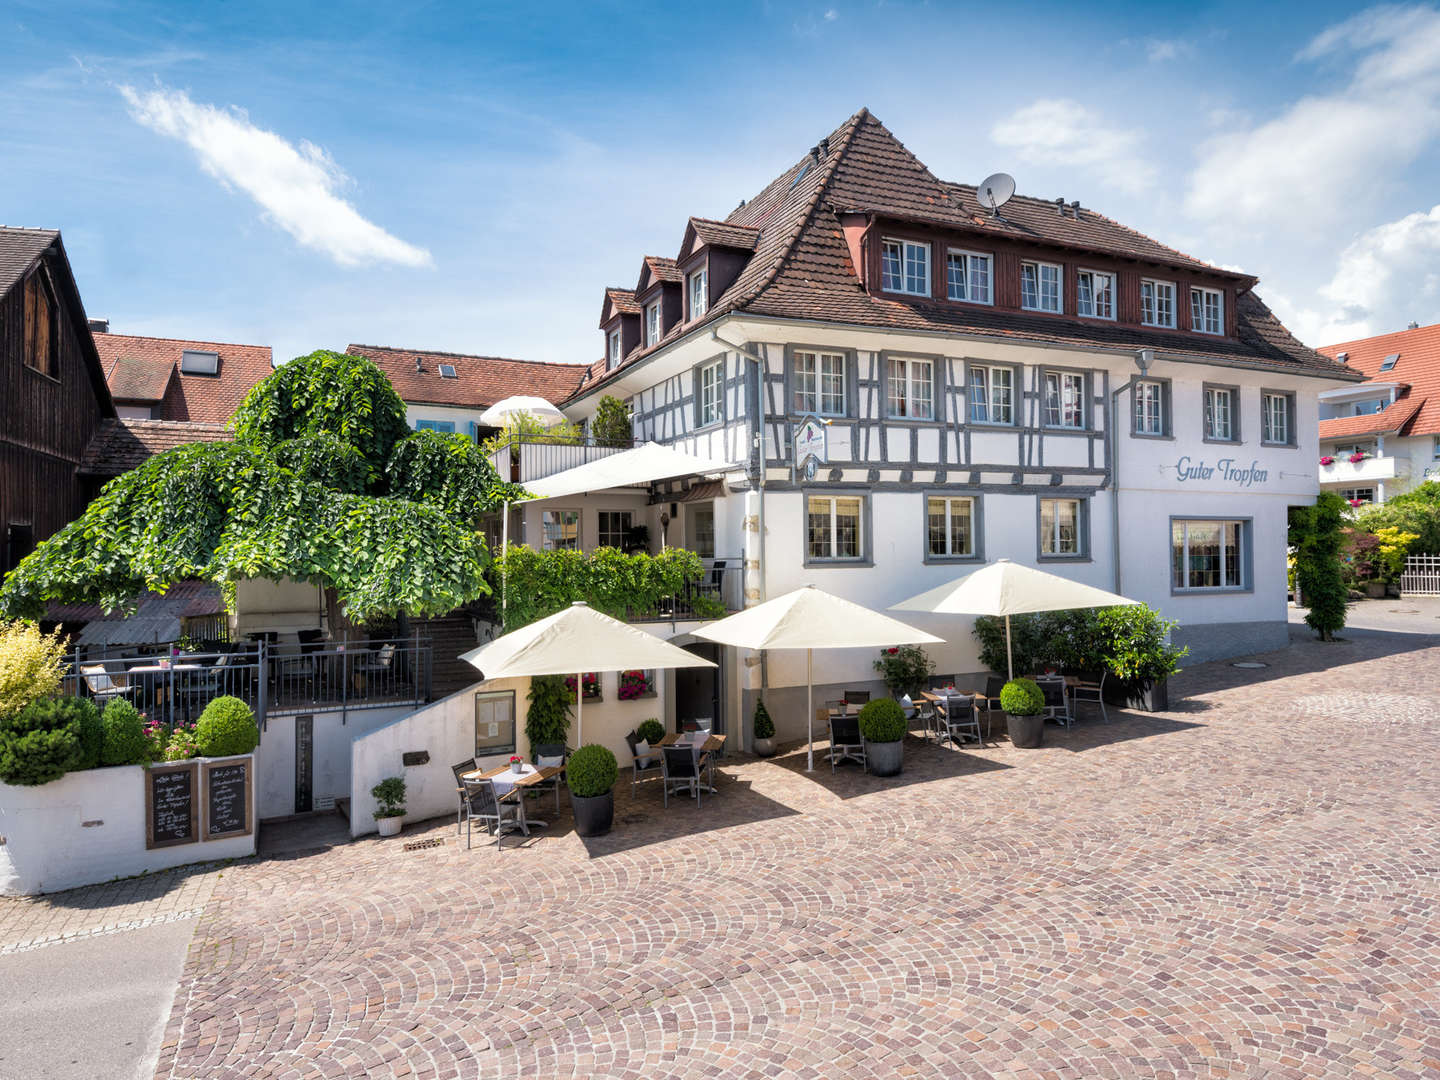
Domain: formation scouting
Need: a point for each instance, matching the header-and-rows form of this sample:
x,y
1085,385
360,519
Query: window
x,y
613,353
1275,418
1220,414
1060,528
992,395
194,362
1207,311
1435,449
560,530
910,388
1390,361
699,292
494,723
832,527
447,371
950,527
652,323
820,383
710,379
1095,294
1064,399
1369,407
1150,411
445,426
1157,303
19,542
1207,554
614,524
905,267
968,276
1358,495
700,533
1040,286
42,325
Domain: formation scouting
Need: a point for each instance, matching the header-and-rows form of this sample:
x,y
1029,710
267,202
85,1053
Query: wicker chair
x,y
654,760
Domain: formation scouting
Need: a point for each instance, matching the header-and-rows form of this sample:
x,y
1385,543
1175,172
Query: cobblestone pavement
x,y
1247,886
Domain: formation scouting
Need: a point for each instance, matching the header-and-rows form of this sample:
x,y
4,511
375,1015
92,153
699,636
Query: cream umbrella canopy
x,y
572,642
809,619
1007,588
506,409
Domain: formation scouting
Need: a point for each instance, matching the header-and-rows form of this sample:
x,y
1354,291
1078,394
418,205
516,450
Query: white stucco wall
x,y
332,733
462,418
88,827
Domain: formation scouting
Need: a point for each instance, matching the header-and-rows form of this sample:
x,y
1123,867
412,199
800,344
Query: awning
x,y
645,464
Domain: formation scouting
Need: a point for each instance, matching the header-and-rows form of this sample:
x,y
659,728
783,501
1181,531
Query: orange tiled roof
x,y
136,366
1418,367
480,381
120,445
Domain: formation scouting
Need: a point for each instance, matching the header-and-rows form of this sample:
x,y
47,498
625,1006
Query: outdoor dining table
x,y
937,700
506,780
708,743
165,684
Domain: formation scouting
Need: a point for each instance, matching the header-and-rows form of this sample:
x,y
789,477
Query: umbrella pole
x,y
504,567
809,712
579,709
1009,655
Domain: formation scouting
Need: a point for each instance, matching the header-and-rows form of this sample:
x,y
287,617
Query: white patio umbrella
x,y
506,409
572,642
810,619
1007,588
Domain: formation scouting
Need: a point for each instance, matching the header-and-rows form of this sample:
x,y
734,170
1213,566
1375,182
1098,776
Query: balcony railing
x,y
1367,470
534,457
272,680
723,584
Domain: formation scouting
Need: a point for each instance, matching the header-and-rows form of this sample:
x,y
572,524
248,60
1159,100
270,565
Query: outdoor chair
x,y
990,701
102,686
543,756
654,762
460,768
1057,706
1090,687
846,742
683,767
959,720
496,813
381,667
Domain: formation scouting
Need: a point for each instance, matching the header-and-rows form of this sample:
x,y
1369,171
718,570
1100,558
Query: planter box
x,y
1145,697
885,758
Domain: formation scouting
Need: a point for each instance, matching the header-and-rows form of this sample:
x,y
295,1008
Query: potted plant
x,y
1140,656
1024,707
390,794
883,726
517,763
590,774
905,669
764,729
651,730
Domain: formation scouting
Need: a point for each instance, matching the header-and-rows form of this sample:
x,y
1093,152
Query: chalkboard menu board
x,y
227,798
171,804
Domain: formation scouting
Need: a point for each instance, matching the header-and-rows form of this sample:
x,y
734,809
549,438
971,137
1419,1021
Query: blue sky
x,y
467,177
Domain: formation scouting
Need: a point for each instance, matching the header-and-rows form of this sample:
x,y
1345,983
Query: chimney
x,y
1075,209
419,365
1343,357
99,326
1060,206
824,147
1413,325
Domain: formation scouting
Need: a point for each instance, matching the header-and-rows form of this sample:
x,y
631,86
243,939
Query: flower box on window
x,y
592,686
1327,460
634,685
1358,456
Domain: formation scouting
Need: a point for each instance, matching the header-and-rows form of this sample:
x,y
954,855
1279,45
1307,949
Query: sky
x,y
469,177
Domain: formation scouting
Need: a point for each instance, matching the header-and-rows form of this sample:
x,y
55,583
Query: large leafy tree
x,y
323,483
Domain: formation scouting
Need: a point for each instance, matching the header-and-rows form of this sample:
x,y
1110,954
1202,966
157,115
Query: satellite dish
x,y
995,191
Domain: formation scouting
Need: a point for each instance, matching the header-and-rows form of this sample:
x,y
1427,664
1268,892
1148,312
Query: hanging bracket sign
x,y
810,445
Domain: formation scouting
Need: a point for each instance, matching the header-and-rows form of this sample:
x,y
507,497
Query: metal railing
x,y
534,457
174,687
1421,576
723,583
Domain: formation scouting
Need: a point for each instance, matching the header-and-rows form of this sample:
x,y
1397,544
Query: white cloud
x,y
1321,151
831,14
1160,50
1062,132
295,186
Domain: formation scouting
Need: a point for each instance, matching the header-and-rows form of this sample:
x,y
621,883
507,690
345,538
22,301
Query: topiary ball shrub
x,y
591,771
764,726
883,720
227,726
85,718
39,744
1021,697
652,731
123,739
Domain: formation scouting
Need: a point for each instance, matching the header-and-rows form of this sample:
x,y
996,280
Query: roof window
x,y
1390,361
195,362
447,371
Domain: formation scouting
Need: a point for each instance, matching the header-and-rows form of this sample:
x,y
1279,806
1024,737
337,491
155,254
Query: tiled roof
x,y
480,381
801,267
120,445
664,268
619,302
723,234
133,367
1382,423
19,248
1418,366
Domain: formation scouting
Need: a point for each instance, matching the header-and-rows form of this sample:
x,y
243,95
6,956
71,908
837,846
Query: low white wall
x,y
88,827
330,779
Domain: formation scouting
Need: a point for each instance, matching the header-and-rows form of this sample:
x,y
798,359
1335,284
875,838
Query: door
x,y
697,690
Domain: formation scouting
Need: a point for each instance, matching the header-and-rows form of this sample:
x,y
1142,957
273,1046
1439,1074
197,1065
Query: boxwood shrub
x,y
39,744
227,726
1021,697
883,720
764,726
123,739
652,731
591,771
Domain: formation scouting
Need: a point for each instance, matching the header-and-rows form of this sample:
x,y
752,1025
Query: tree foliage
x,y
523,426
318,486
612,421
1130,641
547,721
1416,511
1317,535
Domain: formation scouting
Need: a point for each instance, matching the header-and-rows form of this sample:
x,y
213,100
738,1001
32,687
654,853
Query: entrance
x,y
697,690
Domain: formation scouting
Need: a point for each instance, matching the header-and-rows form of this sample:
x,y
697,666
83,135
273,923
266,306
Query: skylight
x,y
447,371
195,362
1390,361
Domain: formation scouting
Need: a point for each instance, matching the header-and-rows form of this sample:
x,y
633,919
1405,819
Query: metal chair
x,y
497,812
1091,687
683,767
989,701
1057,705
846,742
654,760
102,686
959,720
544,755
460,768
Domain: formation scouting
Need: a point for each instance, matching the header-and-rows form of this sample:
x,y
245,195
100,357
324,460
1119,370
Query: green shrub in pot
x,y
652,731
882,721
591,771
763,728
1024,706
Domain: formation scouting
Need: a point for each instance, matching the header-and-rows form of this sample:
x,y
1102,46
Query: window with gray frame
x,y
700,531
709,391
1062,528
819,383
1277,418
1151,408
992,394
494,723
197,362
1220,423
910,387
833,527
1064,399
1207,554
560,530
950,525
613,526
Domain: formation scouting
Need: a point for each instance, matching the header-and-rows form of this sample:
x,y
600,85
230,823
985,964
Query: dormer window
x,y
613,349
968,276
1157,303
699,292
1040,286
905,267
652,323
195,362
1207,310
1095,294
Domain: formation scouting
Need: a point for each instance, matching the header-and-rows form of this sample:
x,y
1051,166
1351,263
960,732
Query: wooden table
x,y
525,780
712,745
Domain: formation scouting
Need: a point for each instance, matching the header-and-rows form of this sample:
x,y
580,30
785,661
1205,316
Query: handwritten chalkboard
x,y
171,805
227,798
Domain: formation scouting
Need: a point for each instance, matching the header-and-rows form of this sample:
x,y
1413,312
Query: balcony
x,y
533,457
1368,471
724,584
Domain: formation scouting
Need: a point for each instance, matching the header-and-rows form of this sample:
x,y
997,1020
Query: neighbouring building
x,y
1382,436
903,385
53,398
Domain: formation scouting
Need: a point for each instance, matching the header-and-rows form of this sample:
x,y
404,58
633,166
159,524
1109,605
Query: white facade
x,y
461,420
1391,464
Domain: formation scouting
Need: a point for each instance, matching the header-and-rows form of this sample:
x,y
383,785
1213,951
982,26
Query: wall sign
x,y
172,804
809,445
1226,471
228,788
304,764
